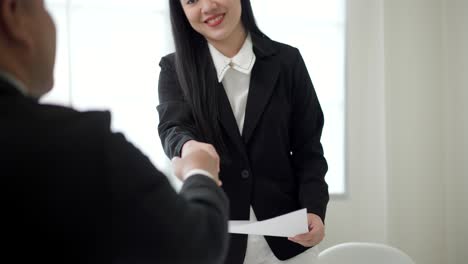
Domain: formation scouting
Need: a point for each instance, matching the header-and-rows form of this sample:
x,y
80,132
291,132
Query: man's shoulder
x,y
53,137
65,117
54,123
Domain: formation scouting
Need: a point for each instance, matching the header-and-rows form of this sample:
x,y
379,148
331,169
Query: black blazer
x,y
277,165
74,192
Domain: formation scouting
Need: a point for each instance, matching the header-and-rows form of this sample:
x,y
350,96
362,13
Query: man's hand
x,y
314,236
197,159
193,145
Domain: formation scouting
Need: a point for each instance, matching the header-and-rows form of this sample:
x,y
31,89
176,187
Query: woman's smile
x,y
214,21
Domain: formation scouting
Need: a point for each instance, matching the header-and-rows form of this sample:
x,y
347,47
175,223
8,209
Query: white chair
x,y
363,253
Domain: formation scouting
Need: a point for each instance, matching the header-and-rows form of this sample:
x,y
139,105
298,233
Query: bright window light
x,y
108,53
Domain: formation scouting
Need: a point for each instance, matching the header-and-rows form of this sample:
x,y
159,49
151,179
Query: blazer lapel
x,y
262,83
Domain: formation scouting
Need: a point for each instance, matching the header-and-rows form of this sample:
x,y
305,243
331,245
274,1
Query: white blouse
x,y
235,74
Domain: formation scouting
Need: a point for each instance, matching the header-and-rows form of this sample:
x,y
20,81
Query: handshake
x,y
197,158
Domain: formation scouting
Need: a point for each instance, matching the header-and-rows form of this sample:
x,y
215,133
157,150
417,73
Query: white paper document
x,y
287,225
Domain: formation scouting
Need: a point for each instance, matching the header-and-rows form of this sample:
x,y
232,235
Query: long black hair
x,y
196,72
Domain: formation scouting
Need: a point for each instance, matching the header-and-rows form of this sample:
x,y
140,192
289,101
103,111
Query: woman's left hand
x,y
314,236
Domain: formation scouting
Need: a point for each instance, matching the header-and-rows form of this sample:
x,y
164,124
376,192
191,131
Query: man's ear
x,y
14,22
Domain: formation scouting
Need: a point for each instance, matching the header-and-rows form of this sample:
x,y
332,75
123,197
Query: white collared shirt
x,y
13,81
235,75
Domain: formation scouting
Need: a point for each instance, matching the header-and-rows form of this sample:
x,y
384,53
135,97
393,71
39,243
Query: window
x,y
108,53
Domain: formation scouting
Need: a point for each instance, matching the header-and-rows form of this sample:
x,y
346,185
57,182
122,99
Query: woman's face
x,y
216,20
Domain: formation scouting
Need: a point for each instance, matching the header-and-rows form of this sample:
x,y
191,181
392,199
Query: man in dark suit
x,y
73,191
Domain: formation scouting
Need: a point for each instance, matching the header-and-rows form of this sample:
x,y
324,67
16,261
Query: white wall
x,y
413,81
361,215
407,127
455,90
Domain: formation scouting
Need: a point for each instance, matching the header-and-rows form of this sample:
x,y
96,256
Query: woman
x,y
248,100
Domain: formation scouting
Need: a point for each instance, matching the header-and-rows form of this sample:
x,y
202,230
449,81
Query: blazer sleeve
x,y
308,159
176,123
151,223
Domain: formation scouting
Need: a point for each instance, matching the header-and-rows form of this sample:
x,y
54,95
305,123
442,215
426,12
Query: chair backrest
x,y
363,253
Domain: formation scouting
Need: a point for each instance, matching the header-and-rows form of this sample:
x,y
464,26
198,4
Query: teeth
x,y
215,20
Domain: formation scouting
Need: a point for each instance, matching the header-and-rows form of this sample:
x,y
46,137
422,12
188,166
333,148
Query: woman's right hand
x,y
193,145
198,159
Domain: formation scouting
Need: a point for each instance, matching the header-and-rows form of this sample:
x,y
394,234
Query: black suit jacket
x,y
277,165
74,192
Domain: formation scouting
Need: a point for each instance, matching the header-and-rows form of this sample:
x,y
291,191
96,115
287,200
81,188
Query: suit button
x,y
245,174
